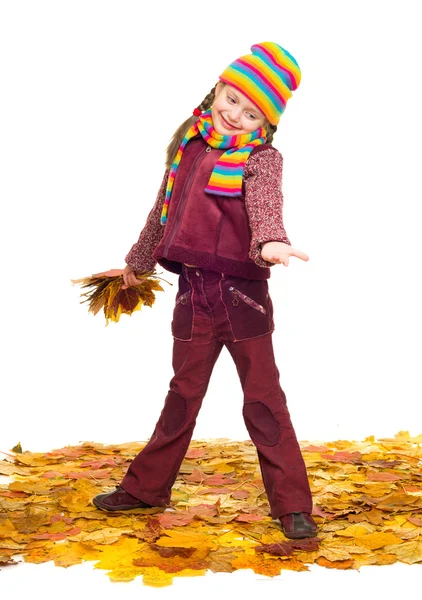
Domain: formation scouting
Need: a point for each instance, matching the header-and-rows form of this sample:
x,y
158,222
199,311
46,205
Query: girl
x,y
217,222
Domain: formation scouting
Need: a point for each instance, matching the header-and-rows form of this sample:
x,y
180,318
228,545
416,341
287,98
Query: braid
x,y
180,133
271,129
208,100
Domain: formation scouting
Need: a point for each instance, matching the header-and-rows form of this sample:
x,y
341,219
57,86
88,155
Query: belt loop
x,y
185,272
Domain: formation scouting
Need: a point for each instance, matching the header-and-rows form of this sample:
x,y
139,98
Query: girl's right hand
x,y
129,276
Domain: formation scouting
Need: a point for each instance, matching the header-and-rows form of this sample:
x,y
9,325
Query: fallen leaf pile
x,y
367,503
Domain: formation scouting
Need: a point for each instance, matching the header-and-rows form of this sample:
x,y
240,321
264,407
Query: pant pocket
x,y
249,306
182,323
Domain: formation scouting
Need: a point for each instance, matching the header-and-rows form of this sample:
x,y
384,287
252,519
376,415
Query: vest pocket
x,y
182,323
248,306
183,299
238,294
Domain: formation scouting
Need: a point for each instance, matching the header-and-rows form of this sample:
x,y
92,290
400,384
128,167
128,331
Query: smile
x,y
226,124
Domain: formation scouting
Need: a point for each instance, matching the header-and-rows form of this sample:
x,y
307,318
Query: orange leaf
x,y
338,564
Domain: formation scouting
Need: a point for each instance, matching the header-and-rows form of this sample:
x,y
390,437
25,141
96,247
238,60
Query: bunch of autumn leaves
x,y
105,291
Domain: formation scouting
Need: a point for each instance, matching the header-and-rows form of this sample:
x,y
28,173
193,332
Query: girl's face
x,y
233,113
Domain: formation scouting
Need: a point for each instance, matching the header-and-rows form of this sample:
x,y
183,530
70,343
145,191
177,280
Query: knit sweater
x,y
263,198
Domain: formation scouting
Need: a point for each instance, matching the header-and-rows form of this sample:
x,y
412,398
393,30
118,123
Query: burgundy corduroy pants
x,y
211,310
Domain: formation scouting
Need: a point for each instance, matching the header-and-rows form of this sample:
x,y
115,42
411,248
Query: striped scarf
x,y
226,178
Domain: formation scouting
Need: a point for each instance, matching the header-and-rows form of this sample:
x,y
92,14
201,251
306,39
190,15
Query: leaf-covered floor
x,y
367,503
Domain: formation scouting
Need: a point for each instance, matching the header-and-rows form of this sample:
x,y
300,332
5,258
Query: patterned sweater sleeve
x,y
264,201
140,256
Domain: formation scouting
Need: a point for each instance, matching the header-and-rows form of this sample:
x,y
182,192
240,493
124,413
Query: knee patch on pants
x,y
174,413
261,423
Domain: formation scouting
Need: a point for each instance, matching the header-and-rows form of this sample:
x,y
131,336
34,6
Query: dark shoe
x,y
298,525
118,500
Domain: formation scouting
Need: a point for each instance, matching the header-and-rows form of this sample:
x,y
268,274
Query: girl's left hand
x,y
278,252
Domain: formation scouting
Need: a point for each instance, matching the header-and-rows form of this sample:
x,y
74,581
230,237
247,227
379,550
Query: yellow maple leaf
x,y
398,521
119,554
75,501
371,558
85,486
156,577
126,573
34,459
7,529
122,521
258,563
191,573
373,541
353,531
64,553
232,539
334,554
408,552
107,535
39,555
183,539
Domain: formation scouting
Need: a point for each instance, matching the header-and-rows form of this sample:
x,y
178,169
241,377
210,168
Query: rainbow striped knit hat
x,y
267,77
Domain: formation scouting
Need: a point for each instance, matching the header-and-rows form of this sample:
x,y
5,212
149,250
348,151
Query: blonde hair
x,y
181,131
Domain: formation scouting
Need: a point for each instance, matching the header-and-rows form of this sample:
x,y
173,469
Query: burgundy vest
x,y
204,229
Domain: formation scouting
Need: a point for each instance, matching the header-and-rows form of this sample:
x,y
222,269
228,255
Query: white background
x,y
91,94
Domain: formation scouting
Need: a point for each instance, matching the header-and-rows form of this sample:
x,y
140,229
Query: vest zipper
x,y
183,197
